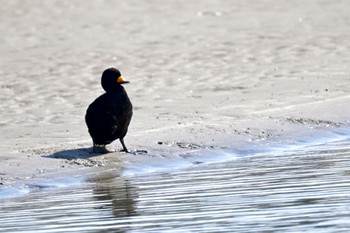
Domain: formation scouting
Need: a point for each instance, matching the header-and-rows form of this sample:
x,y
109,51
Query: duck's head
x,y
112,78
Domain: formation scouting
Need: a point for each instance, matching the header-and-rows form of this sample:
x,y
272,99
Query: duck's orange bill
x,y
121,80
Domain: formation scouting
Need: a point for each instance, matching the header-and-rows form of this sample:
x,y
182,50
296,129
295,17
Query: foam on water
x,y
176,162
24,187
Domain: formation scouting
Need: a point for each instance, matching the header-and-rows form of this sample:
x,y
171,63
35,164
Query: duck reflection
x,y
117,194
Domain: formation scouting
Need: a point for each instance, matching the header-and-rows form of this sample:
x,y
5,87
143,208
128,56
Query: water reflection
x,y
116,194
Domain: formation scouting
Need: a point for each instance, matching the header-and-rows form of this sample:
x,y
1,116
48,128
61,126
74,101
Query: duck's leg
x,y
123,144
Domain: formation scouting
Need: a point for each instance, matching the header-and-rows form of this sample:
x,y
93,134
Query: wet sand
x,y
204,76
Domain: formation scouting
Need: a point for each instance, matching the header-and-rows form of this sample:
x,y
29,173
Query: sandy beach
x,y
213,75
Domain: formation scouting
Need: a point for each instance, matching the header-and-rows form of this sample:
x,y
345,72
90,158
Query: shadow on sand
x,y
81,153
86,153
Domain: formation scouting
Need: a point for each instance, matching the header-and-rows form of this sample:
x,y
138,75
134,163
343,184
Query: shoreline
x,y
76,166
124,165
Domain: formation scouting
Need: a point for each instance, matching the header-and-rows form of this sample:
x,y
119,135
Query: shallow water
x,y
303,189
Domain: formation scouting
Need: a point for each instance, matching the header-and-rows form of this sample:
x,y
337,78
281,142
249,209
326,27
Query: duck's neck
x,y
115,89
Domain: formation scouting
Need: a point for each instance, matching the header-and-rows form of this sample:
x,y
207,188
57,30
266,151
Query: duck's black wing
x,y
108,117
